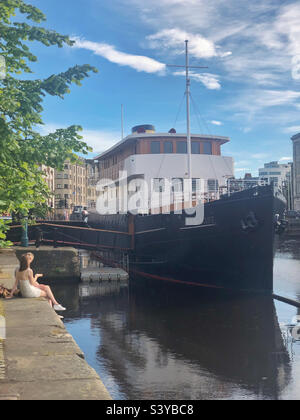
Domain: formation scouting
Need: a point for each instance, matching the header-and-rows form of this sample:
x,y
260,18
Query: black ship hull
x,y
232,250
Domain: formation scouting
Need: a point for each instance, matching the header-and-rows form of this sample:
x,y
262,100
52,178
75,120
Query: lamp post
x,y
24,238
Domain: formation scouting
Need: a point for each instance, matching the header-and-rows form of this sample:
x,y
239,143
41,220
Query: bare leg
x,y
47,292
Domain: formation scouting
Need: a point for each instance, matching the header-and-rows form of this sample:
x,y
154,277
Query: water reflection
x,y
162,344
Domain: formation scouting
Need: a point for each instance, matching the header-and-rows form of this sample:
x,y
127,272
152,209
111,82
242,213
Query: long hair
x,y
24,263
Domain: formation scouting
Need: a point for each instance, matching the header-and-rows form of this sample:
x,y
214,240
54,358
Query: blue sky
x,y
250,91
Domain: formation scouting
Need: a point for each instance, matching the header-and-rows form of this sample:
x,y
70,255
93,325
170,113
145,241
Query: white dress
x,y
29,291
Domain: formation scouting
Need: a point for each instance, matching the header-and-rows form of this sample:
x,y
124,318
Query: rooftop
x,y
133,137
296,137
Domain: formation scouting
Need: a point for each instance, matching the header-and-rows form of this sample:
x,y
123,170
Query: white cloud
x,y
263,37
173,40
99,140
109,52
292,130
242,169
251,102
210,81
259,156
216,122
285,159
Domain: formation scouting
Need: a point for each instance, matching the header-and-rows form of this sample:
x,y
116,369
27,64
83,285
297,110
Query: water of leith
x,y
152,343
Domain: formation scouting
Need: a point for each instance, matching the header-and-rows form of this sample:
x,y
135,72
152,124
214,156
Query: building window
x,y
207,148
168,147
181,147
66,187
66,166
59,186
196,148
155,147
274,180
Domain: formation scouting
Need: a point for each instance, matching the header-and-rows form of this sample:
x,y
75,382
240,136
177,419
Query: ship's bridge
x,y
155,156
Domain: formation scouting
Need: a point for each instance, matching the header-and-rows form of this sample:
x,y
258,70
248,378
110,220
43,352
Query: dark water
x,y
150,343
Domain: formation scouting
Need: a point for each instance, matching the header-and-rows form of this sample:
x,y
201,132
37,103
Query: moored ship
x,y
230,247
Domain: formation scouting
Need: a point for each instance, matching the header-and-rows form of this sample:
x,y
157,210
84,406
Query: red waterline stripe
x,y
153,276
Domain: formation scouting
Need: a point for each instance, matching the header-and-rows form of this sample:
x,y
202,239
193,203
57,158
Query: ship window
x,y
196,187
159,185
181,147
196,148
168,147
213,185
177,184
155,147
207,148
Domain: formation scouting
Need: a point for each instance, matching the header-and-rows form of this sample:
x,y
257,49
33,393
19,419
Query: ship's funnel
x,y
146,128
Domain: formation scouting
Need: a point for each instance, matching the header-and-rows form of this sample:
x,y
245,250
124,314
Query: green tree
x,y
22,148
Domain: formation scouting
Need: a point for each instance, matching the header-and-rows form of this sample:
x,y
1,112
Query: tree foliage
x,y
22,148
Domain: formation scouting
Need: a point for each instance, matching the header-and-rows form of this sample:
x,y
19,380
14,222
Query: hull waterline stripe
x,y
150,231
171,280
197,227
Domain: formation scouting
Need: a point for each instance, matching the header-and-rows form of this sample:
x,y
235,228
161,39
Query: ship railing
x,y
237,185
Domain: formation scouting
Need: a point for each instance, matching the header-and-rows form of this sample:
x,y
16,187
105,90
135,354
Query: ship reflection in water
x,y
150,343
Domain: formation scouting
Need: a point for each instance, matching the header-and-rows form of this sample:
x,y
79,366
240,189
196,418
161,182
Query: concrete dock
x,y
42,361
39,360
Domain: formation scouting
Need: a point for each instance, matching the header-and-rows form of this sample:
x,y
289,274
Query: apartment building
x,y
296,170
276,173
70,188
49,177
92,177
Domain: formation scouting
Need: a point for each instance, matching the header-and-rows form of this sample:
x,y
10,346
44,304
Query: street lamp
x,y
24,238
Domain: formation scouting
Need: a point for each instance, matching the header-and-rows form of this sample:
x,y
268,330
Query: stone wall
x,y
8,265
57,265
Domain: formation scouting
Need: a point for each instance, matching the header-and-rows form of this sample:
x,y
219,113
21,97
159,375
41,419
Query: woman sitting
x,y
29,286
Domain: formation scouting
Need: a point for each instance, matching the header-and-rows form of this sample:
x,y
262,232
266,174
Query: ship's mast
x,y
188,131
188,96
